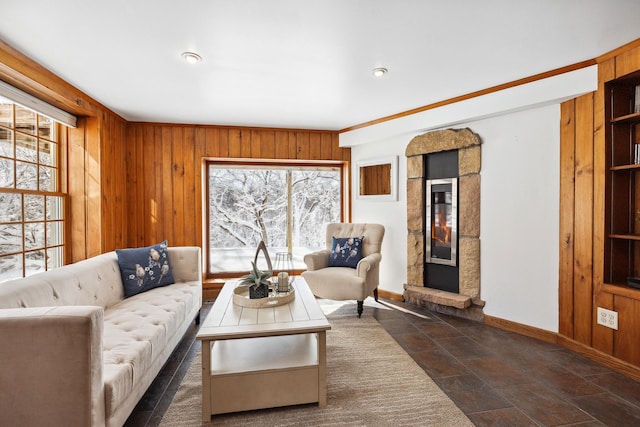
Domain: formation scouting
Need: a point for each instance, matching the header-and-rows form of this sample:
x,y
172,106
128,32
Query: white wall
x,y
391,214
519,225
519,217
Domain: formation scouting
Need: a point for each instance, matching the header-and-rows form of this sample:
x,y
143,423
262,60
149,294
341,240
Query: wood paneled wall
x,y
96,185
113,189
582,228
164,166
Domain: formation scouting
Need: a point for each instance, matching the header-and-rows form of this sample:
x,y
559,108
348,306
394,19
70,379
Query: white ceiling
x,y
304,63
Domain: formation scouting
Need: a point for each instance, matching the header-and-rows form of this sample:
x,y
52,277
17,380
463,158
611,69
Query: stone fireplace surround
x,y
467,303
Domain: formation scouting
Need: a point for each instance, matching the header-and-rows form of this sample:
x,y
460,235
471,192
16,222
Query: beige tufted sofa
x,y
74,352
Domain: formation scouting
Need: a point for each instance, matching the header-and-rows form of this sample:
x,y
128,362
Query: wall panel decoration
x,y
168,160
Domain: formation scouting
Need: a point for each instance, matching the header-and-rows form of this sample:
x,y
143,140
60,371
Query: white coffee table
x,y
254,358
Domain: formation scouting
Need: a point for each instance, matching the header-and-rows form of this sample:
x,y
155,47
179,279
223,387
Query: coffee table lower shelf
x,y
265,372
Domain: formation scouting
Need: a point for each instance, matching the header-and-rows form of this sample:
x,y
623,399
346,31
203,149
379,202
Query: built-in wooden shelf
x,y
625,167
627,118
622,184
625,236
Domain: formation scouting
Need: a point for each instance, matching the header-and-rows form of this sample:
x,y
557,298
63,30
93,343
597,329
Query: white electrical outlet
x,y
608,318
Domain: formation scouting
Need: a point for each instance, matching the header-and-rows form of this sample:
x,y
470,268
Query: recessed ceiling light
x,y
379,72
191,57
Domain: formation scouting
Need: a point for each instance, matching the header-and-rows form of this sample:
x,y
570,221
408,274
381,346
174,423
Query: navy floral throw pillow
x,y
345,251
143,269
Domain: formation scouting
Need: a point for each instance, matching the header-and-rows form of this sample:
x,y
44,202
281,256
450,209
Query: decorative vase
x,y
259,291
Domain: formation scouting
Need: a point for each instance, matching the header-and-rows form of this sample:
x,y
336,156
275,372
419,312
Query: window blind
x,y
31,102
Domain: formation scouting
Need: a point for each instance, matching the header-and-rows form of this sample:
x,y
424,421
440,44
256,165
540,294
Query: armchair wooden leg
x,y
360,308
375,294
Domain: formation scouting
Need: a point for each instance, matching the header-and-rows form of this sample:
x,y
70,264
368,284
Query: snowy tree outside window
x,y
286,206
31,206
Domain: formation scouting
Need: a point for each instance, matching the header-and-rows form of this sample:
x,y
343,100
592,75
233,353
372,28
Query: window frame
x,y
345,198
58,138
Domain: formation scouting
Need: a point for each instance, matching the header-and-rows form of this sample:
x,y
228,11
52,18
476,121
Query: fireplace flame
x,y
440,231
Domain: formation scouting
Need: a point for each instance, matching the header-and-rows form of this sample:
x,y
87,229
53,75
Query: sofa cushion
x,y
137,332
345,252
145,268
338,283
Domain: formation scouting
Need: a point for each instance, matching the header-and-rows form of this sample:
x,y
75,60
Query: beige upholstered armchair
x,y
348,269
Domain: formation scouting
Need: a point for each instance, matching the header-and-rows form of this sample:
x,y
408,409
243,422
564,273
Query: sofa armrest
x,y
317,260
52,359
368,264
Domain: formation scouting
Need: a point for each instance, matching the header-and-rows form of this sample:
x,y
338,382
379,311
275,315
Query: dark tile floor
x,y
497,378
